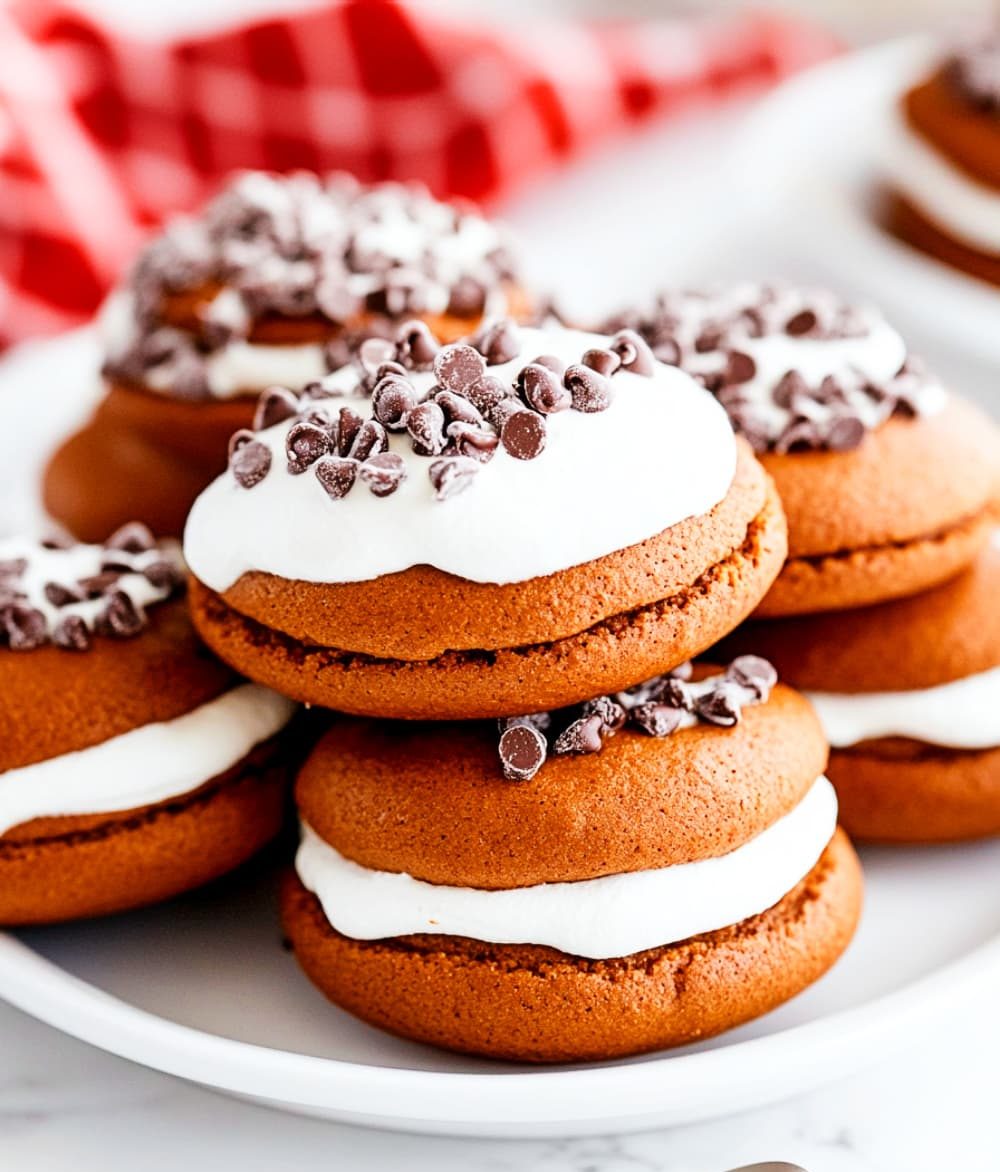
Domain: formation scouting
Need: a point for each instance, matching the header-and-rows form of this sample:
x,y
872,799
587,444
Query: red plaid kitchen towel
x,y
102,135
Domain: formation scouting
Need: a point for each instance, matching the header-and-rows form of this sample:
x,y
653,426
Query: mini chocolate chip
x,y
348,425
238,439
522,752
678,694
304,444
458,366
60,595
720,706
844,433
121,618
582,736
590,391
486,393
612,713
337,475
25,626
633,353
788,388
709,339
98,584
499,342
472,441
163,575
373,352
467,297
54,543
425,426
523,434
383,473
605,362
392,401
753,672
802,435
250,463
550,362
543,390
313,391
417,345
452,475
391,368
801,323
275,405
71,633
658,720
458,408
740,367
370,440
133,537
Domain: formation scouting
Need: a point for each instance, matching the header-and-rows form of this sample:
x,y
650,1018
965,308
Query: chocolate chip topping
x,y
64,594
467,415
657,707
710,335
973,70
302,246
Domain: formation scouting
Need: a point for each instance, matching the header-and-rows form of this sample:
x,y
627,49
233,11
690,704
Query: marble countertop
x,y
65,1107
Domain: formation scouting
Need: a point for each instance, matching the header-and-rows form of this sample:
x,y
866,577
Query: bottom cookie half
x,y
534,1004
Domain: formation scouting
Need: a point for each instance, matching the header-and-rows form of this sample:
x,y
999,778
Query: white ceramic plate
x,y
810,166
201,987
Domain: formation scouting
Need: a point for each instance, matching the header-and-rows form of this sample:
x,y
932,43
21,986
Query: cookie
x,y
888,480
635,892
909,695
941,170
509,525
276,281
134,765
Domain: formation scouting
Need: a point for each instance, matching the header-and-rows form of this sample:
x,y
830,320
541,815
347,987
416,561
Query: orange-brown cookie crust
x,y
906,221
58,701
460,685
422,612
929,639
431,800
967,136
535,1004
58,869
902,791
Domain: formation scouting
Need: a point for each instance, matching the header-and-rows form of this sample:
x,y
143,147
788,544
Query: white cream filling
x,y
962,714
963,208
148,765
613,916
662,452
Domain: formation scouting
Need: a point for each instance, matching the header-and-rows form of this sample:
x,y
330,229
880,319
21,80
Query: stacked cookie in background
x,y
886,610
274,281
539,835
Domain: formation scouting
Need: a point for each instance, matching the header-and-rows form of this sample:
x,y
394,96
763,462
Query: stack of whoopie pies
x,y
539,833
887,608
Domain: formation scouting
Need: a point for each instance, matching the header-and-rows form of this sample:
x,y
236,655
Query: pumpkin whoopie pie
x,y
510,524
942,168
887,479
909,695
133,765
649,869
274,281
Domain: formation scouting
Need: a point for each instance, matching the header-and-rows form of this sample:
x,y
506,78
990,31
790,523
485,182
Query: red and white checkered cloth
x,y
102,135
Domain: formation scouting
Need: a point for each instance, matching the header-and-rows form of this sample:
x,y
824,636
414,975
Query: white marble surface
x,y
67,1108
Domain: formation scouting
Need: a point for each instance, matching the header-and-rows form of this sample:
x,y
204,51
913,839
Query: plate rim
x,y
683,1085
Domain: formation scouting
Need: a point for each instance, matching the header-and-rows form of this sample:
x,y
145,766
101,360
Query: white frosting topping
x,y
613,916
963,208
66,567
148,765
662,452
962,714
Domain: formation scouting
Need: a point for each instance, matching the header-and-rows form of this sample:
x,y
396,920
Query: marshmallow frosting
x,y
961,714
967,210
613,916
149,764
661,453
